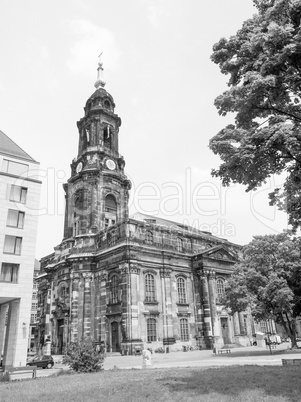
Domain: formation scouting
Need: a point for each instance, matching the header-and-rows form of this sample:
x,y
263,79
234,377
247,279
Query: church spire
x,y
99,82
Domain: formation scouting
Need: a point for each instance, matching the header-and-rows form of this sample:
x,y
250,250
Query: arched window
x,y
107,136
180,245
181,285
151,326
110,211
220,289
149,237
113,290
184,333
149,288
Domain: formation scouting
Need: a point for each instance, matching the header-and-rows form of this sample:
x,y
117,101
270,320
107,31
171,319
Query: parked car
x,y
45,361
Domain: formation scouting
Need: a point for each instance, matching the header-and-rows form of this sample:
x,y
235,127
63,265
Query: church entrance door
x,y
60,336
225,330
115,336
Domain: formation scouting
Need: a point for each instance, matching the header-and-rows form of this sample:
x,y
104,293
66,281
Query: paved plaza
x,y
200,358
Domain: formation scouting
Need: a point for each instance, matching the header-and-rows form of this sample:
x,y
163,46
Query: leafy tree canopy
x,y
268,279
263,61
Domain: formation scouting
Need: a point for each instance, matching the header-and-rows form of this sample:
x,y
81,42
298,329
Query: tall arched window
x,y
113,289
151,326
110,211
184,333
220,289
107,136
181,286
149,288
180,245
149,237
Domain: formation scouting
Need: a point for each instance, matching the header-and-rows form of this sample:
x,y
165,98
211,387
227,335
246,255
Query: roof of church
x,y
9,147
172,225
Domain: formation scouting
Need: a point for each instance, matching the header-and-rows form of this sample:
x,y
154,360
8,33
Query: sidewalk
x,y
206,358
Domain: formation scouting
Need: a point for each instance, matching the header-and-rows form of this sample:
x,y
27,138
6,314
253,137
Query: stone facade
x,y
130,282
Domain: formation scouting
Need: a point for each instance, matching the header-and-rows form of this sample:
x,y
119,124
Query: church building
x,y
130,282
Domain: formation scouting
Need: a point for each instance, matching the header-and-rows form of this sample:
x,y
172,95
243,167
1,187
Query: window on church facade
x,y
149,237
184,333
181,286
112,239
107,137
110,211
180,245
220,288
151,326
263,326
113,290
149,288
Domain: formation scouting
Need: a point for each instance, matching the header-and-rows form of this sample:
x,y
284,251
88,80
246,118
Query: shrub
x,y
83,356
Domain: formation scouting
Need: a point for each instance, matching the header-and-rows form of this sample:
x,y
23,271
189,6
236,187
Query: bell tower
x,y
98,190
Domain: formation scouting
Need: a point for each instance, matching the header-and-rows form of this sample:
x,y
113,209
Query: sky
x,y
157,67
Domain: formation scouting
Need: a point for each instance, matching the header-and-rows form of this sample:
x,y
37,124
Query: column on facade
x,y
3,312
167,305
87,319
241,323
213,309
102,306
11,334
236,324
48,312
134,272
74,306
97,306
199,314
80,309
205,303
125,303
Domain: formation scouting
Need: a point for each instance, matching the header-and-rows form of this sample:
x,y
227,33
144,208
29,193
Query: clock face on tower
x,y
79,167
110,164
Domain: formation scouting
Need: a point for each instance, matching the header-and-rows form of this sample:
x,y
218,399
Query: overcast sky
x,y
156,56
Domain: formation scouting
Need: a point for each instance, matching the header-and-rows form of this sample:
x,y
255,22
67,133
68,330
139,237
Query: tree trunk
x,y
290,327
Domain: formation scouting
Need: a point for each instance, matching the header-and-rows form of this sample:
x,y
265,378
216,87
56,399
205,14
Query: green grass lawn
x,y
238,383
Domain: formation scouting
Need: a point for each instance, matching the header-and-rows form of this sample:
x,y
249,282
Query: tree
x,y
263,60
268,279
83,356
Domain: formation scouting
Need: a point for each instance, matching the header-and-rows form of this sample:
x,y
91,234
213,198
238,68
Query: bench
x,y
22,370
220,351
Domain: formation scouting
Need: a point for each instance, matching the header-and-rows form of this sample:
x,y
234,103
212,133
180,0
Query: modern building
x,y
19,204
130,282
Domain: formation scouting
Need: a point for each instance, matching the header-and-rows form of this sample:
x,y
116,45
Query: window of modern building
x,y
9,272
113,289
33,318
18,194
14,168
15,218
180,245
150,288
151,326
12,245
149,237
181,286
184,333
220,289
